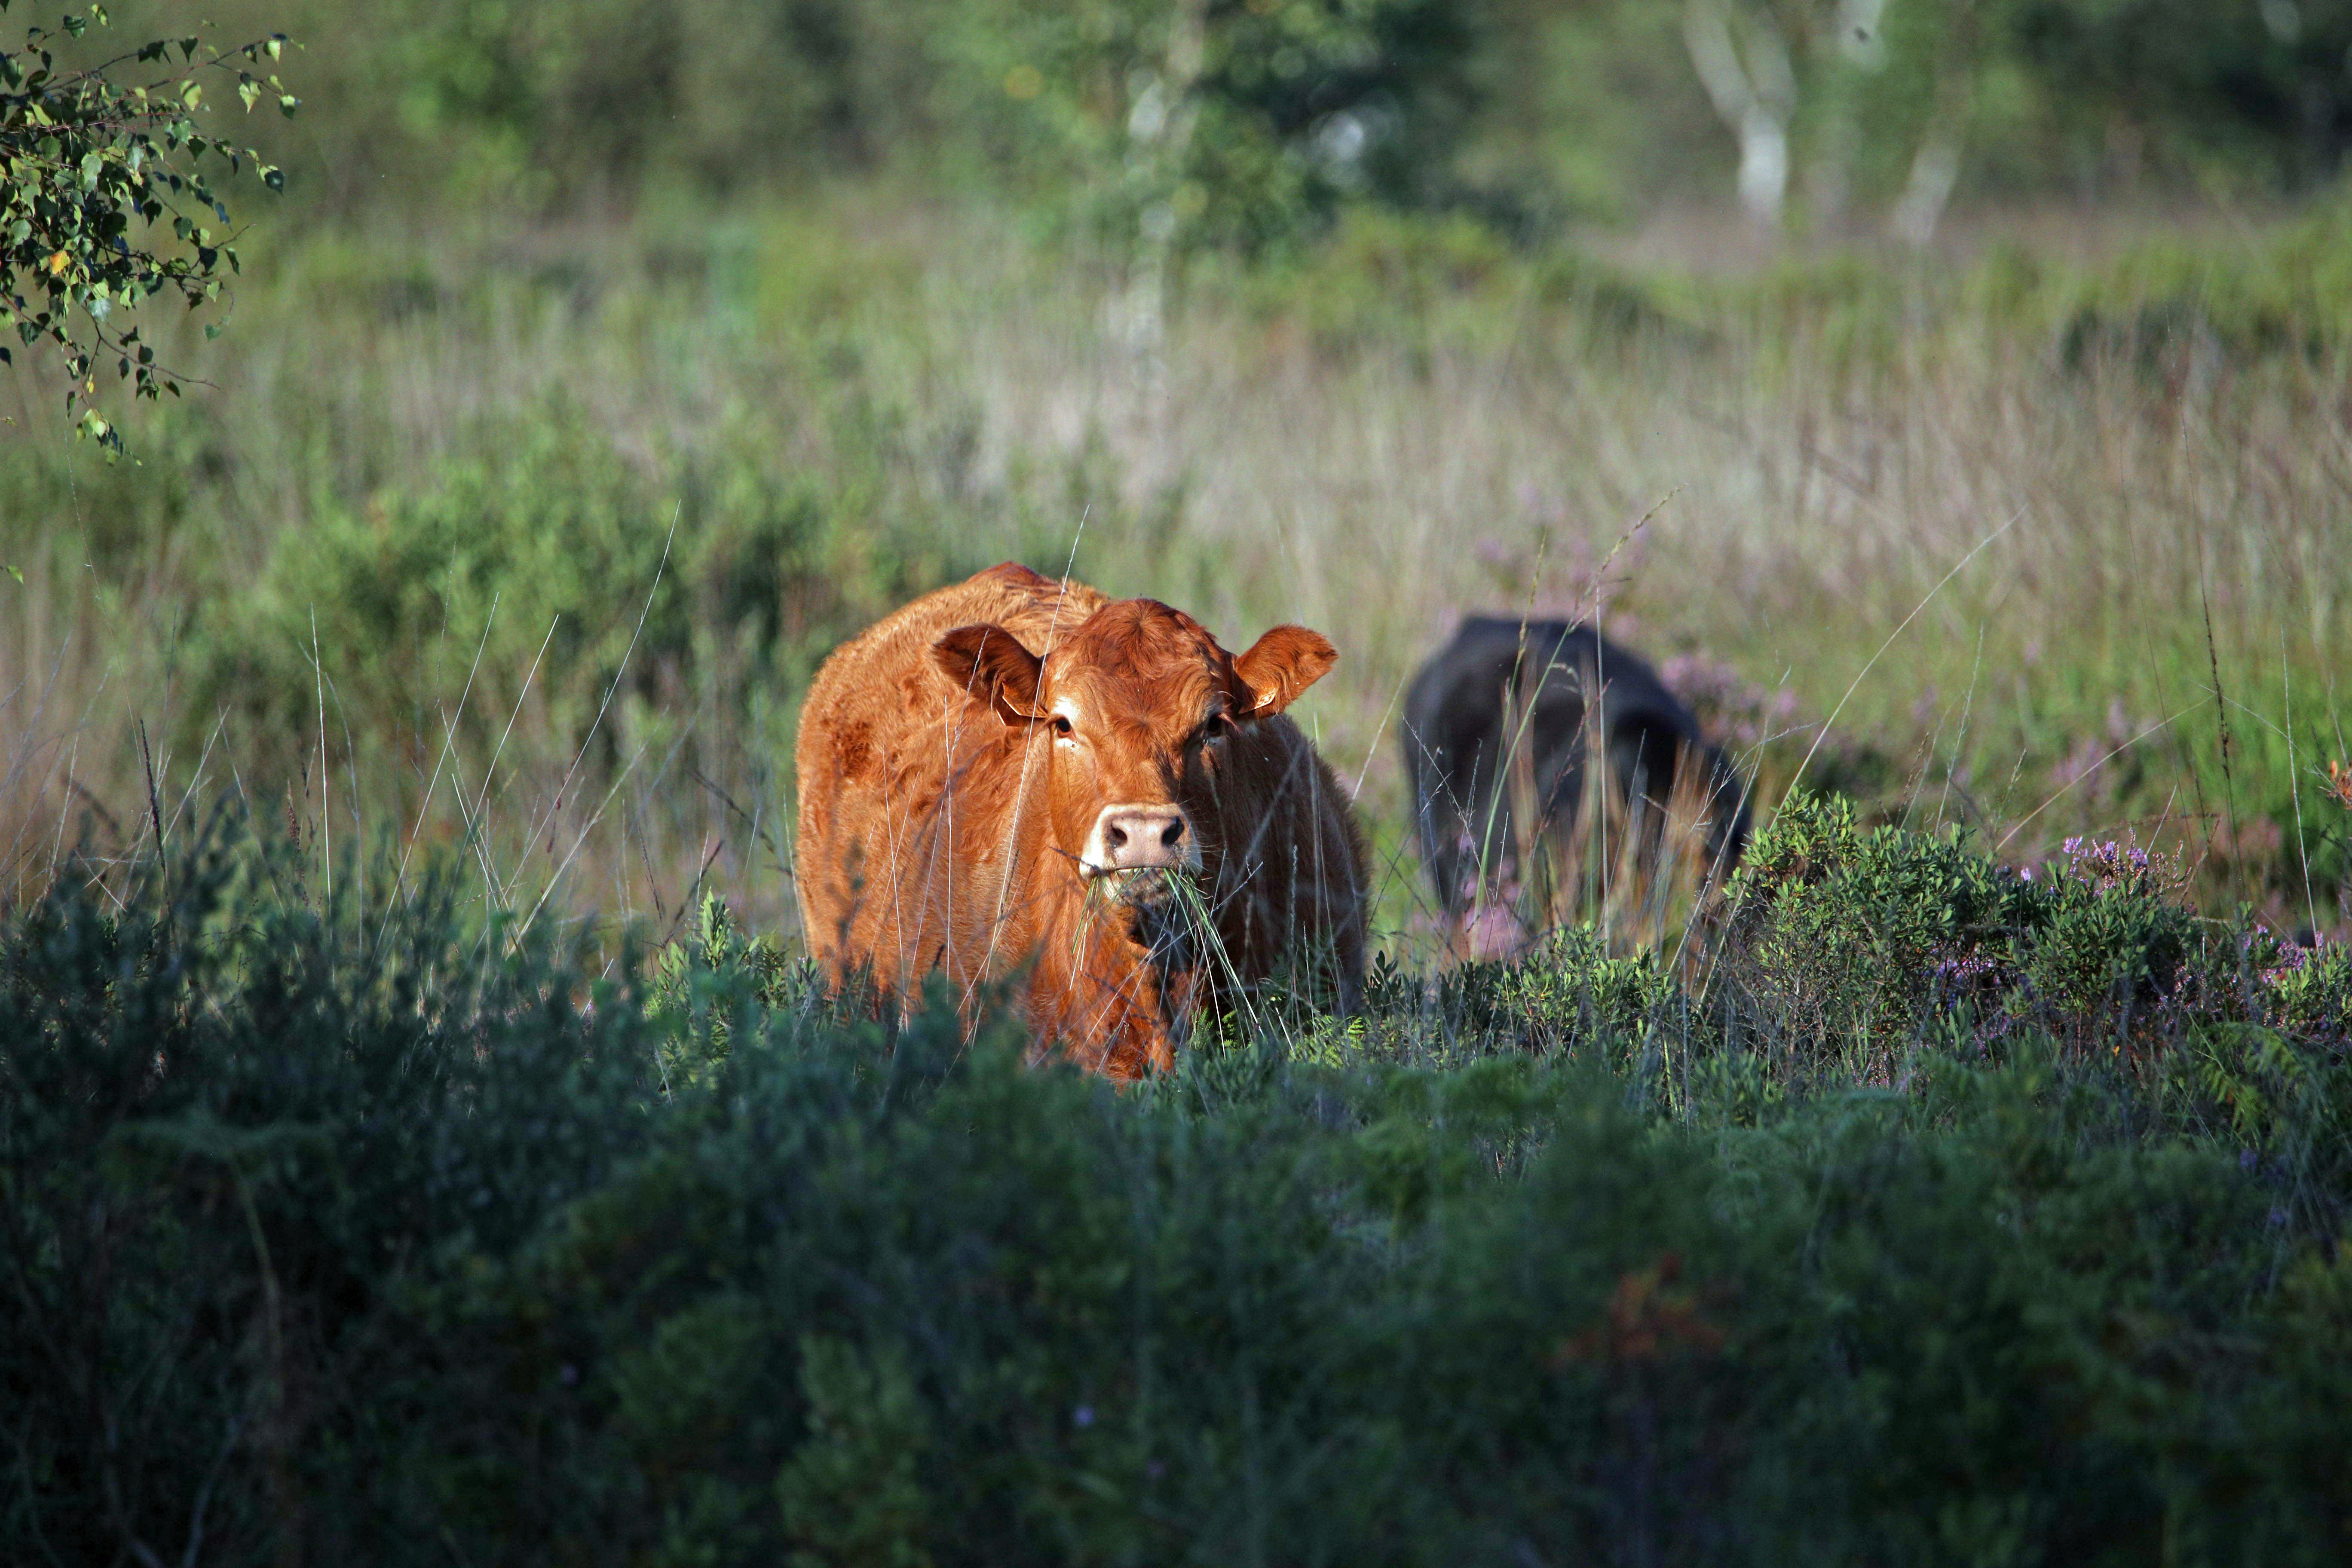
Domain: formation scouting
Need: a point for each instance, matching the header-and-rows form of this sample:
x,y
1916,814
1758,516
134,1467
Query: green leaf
x,y
77,166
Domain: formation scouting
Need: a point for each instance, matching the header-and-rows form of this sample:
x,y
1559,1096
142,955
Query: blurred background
x,y
1950,397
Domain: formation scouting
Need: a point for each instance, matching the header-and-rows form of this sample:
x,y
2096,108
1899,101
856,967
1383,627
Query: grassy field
x,y
529,539
438,1152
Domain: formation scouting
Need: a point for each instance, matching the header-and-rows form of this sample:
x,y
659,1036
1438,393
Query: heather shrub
x,y
373,1231
1846,944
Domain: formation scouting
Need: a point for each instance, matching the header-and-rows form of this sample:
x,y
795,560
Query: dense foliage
x,y
362,1232
1528,108
96,163
1223,123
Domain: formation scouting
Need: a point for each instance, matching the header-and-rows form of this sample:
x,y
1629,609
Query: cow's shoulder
x,y
893,655
1013,575
1039,611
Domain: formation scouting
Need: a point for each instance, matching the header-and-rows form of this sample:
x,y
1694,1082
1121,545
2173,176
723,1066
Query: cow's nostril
x,y
1141,837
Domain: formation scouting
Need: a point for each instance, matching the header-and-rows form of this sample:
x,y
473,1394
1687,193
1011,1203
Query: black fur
x,y
1459,717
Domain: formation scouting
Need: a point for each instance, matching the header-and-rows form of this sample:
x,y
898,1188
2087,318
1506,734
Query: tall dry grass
x,y
2156,541
1767,491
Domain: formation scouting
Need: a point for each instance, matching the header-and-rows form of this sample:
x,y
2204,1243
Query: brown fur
x,y
943,816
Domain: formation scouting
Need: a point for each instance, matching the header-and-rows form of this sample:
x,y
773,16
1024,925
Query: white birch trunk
x,y
1754,91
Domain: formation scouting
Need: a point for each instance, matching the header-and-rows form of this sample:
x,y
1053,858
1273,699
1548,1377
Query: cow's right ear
x,y
1280,665
990,659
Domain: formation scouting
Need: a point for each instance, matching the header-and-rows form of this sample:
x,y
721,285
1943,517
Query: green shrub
x,y
1846,944
370,1234
545,574
556,541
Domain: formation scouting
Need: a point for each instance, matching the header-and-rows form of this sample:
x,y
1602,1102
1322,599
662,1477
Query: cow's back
x,y
874,760
1502,690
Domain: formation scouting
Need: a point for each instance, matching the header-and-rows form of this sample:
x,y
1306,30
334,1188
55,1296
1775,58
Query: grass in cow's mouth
x,y
1163,910
1144,887
1130,889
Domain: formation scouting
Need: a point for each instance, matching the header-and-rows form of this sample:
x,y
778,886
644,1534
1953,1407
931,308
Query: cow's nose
x,y
1134,837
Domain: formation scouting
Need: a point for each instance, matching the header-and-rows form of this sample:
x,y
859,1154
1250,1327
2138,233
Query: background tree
x,y
107,197
1742,57
1221,122
2261,86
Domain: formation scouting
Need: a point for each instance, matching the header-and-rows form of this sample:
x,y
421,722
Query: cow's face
x,y
1134,700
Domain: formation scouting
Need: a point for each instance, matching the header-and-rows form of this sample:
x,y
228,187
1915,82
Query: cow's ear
x,y
1278,667
990,659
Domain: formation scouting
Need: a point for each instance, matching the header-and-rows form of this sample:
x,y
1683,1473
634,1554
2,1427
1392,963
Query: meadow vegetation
x,y
561,522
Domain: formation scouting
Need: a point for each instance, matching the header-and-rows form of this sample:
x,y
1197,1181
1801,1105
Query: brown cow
x,y
1013,772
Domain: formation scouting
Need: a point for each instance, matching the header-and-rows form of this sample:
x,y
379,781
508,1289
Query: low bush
x,y
367,1231
533,578
1849,943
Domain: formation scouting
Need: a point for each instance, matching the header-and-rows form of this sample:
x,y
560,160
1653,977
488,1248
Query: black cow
x,y
1504,687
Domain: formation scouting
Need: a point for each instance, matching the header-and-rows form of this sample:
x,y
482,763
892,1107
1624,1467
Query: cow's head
x,y
1135,701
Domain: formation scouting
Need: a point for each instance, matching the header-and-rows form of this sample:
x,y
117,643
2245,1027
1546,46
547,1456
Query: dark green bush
x,y
367,1233
1847,946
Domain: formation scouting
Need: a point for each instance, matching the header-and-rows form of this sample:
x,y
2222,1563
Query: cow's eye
x,y
1062,725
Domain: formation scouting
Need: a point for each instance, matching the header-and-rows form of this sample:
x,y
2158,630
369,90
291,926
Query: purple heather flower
x,y
2080,763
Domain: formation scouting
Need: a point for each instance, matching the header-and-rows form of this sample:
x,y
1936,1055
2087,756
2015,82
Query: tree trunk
x,y
1754,93
1160,136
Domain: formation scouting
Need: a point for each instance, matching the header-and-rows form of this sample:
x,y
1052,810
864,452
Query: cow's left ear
x,y
989,660
1278,667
